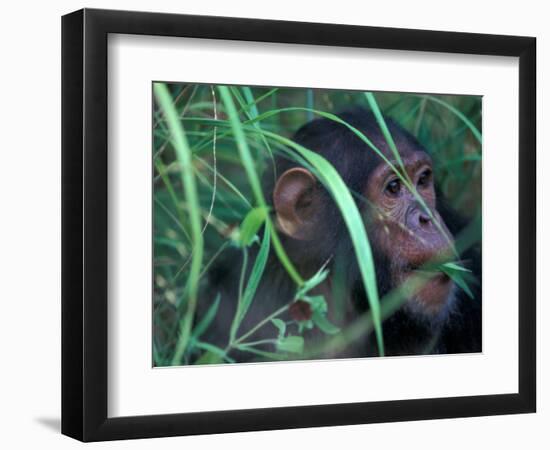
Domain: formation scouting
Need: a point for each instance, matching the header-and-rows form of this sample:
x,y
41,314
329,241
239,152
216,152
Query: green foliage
x,y
251,224
291,344
184,153
212,146
459,275
245,300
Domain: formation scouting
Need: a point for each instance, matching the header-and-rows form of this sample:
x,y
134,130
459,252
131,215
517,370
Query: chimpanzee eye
x,y
424,178
393,187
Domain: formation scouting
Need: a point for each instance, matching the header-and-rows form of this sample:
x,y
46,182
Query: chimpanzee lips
x,y
431,273
432,286
422,268
430,265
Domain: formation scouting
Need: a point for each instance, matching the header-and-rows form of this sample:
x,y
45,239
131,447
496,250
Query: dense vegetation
x,y
213,146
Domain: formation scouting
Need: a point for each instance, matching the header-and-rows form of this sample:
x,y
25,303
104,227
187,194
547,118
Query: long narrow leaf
x,y
251,224
253,179
205,322
183,153
256,274
385,130
459,114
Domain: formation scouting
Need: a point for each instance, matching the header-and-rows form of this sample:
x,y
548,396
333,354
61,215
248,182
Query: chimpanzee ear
x,y
298,204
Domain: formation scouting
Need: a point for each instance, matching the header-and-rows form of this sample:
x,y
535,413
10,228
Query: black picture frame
x,y
84,224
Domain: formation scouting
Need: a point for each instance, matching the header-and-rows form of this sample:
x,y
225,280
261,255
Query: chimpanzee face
x,y
403,225
406,228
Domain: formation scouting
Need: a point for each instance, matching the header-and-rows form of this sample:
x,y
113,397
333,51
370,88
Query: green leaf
x,y
264,354
291,344
317,302
314,281
209,358
457,273
184,156
207,319
461,282
352,218
455,266
385,131
251,111
305,325
251,104
251,224
459,114
214,350
281,326
256,101
324,325
253,179
253,282
257,271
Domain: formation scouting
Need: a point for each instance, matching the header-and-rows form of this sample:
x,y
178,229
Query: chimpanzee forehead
x,y
412,159
406,145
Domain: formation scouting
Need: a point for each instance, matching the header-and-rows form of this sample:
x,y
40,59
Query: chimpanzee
x,y
404,235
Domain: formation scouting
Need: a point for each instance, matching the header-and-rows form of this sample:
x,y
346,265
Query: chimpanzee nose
x,y
418,219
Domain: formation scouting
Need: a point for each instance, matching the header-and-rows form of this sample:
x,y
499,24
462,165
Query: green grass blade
x,y
228,183
257,272
212,350
250,225
161,168
253,282
251,104
253,178
385,130
281,327
459,114
310,103
205,322
458,274
291,344
183,153
324,325
338,189
242,145
251,112
263,354
256,101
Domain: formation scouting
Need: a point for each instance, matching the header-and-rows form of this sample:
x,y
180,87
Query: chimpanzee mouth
x,y
429,287
432,273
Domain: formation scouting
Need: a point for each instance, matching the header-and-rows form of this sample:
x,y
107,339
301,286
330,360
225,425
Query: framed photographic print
x,y
274,224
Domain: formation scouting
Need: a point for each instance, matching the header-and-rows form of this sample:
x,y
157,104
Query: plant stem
x,y
183,153
260,342
259,325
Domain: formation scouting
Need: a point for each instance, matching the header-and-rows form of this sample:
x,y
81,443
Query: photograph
x,y
312,224
275,225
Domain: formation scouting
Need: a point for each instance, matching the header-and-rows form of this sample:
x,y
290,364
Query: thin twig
x,y
213,200
259,325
